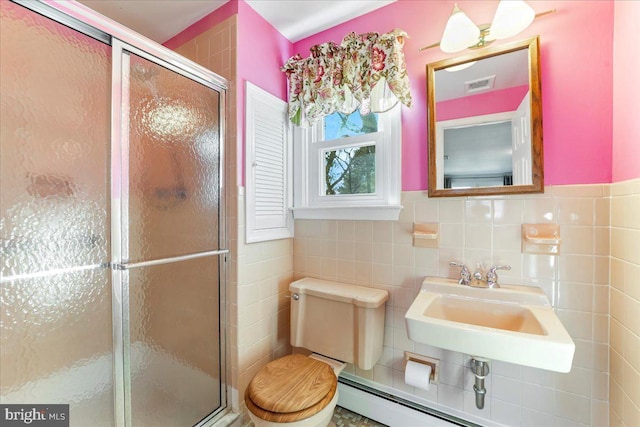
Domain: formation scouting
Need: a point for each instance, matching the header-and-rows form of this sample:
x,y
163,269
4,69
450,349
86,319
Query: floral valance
x,y
366,71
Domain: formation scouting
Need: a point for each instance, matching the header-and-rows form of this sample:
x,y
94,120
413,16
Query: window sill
x,y
374,213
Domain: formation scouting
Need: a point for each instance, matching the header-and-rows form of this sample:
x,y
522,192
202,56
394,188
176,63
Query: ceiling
x,y
509,70
295,19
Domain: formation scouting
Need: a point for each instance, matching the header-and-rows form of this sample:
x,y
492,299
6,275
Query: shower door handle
x,y
130,265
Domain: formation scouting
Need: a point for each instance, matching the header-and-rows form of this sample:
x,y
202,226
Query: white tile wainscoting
x,y
486,229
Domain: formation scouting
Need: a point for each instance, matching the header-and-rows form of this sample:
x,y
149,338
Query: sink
x,y
512,323
507,317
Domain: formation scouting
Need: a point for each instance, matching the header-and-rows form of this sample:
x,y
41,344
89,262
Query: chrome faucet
x,y
465,273
479,279
492,275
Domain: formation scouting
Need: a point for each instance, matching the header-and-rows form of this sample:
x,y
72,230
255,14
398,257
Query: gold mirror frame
x,y
537,168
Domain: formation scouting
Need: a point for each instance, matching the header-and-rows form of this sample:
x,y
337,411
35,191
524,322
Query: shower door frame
x,y
120,226
121,39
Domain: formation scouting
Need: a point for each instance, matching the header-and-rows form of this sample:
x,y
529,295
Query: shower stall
x,y
112,232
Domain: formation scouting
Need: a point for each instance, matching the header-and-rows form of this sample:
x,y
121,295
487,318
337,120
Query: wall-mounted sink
x,y
512,323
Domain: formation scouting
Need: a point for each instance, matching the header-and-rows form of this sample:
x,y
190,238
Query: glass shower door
x,y
55,288
169,258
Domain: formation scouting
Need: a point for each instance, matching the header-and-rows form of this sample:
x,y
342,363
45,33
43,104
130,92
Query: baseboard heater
x,y
392,410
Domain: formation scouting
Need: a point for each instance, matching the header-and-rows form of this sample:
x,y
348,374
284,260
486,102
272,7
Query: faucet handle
x,y
465,273
492,275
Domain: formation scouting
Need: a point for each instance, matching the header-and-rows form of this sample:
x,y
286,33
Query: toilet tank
x,y
338,320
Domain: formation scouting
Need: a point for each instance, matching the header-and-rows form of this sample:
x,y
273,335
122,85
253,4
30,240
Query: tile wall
x,y
625,304
265,270
381,255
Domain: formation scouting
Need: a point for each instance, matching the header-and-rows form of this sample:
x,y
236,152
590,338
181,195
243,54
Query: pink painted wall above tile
x,y
576,80
577,76
499,101
626,99
261,52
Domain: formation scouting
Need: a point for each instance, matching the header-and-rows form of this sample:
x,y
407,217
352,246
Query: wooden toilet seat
x,y
290,389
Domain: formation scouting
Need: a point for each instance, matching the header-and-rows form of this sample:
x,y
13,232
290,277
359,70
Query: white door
x,y
521,142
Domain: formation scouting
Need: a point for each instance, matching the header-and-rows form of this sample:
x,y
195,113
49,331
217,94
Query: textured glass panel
x,y
174,330
174,164
339,125
55,112
55,344
55,329
350,170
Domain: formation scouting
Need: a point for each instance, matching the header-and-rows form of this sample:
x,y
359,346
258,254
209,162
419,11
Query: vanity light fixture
x,y
459,33
512,17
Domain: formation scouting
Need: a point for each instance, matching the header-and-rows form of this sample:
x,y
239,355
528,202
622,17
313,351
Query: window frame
x,y
384,204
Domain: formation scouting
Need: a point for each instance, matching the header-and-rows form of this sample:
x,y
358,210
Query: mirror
x,y
485,122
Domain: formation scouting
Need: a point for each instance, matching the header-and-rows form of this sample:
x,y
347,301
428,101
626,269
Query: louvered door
x,y
268,177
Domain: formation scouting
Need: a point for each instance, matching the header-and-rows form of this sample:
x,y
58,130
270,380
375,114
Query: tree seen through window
x,y
350,170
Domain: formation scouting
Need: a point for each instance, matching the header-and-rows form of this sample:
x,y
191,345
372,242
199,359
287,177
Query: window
x,y
348,162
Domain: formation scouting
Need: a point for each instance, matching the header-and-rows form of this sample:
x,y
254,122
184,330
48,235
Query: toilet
x,y
339,323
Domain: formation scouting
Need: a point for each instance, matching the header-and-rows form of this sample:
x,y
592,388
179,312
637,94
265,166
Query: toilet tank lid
x,y
357,295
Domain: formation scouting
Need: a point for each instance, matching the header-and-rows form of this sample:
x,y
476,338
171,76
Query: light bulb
x,y
459,33
512,16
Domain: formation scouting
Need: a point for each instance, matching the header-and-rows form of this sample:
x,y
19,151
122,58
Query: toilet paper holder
x,y
425,360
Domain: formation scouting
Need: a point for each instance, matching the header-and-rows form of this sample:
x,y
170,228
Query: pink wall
x,y
499,101
577,75
262,50
626,97
576,79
